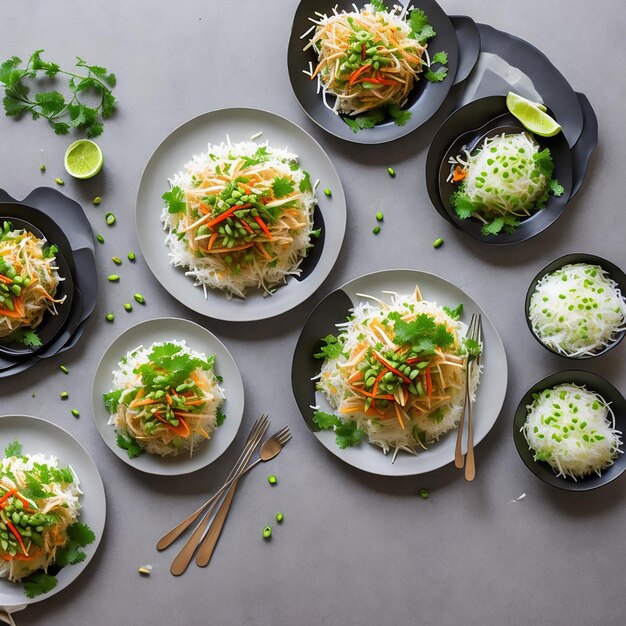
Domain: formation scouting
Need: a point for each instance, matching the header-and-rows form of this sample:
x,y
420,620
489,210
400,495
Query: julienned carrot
x,y
182,429
429,382
245,187
355,377
371,395
18,303
263,226
246,226
378,378
17,536
146,402
195,402
399,415
212,240
203,209
168,398
12,314
398,373
263,251
357,73
5,279
227,213
7,495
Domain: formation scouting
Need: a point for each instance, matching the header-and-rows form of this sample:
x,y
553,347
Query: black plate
x,y
468,37
65,223
547,80
586,144
542,470
425,99
51,325
614,272
469,123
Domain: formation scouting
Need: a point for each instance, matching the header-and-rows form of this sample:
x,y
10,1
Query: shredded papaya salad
x,y
371,58
28,283
240,216
396,373
39,503
165,400
504,180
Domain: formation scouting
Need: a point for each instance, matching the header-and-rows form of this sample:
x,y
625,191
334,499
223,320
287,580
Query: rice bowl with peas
x,y
239,217
396,373
165,400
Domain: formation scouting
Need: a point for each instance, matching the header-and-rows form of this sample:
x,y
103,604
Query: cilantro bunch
x,y
63,113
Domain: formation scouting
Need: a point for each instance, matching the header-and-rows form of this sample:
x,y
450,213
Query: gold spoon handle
x,y
470,467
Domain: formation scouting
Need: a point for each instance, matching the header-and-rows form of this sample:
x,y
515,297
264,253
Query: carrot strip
x,y
398,373
8,313
227,214
146,402
261,247
458,174
195,402
212,240
7,495
17,536
399,415
429,382
203,209
182,429
263,226
5,279
357,73
246,226
18,303
371,395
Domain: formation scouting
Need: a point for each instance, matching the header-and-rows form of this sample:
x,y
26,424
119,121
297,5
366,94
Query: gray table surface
x,y
354,548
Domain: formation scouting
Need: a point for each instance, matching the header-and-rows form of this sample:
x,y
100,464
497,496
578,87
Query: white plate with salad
x,y
379,371
167,397
40,462
240,214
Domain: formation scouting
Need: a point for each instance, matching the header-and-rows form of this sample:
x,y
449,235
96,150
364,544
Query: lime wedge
x,y
83,159
532,115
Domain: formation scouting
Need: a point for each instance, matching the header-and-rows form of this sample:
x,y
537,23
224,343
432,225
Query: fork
x,y
470,467
210,540
183,558
254,438
458,452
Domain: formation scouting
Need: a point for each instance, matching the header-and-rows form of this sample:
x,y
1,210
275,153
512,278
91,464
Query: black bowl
x,y
52,325
541,469
424,101
466,126
614,272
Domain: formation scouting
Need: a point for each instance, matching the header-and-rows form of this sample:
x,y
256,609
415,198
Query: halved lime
x,y
83,159
532,115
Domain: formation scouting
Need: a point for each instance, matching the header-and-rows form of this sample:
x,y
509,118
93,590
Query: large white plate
x,y
40,436
193,137
334,309
198,339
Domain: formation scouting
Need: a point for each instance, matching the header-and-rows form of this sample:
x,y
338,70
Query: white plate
x,y
193,137
198,339
490,394
40,436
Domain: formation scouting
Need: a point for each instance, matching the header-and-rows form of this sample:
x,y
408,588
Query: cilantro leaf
x,y
420,27
332,350
423,333
454,313
220,418
472,347
544,163
33,489
50,102
348,434
260,156
436,77
81,534
555,187
462,204
38,583
493,227
126,442
13,449
282,187
325,421
112,400
439,57
305,183
367,120
30,339
399,116
175,200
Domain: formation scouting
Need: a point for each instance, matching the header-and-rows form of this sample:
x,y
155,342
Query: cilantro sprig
x,y
332,348
347,433
423,333
63,113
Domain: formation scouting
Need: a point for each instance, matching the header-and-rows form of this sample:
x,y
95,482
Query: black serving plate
x,y
468,126
615,273
424,101
541,469
51,325
64,223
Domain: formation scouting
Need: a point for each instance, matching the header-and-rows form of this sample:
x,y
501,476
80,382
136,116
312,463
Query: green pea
x,y
64,369
64,395
279,517
391,172
42,167
128,306
113,278
109,317
59,181
19,504
328,192
376,230
75,412
131,256
424,493
99,238
438,242
97,200
267,532
379,216
272,480
16,289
